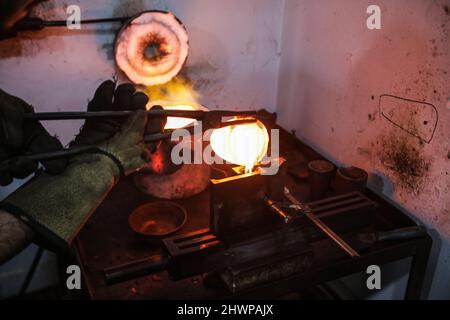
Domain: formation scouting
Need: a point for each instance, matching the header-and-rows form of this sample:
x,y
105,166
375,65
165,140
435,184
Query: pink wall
x,y
333,71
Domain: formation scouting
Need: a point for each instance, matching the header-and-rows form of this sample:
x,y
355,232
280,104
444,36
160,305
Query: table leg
x,y
418,268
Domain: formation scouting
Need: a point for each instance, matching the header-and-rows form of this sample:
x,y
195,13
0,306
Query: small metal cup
x,y
321,173
350,179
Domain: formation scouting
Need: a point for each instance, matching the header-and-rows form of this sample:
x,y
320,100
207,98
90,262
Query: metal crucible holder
x,y
237,204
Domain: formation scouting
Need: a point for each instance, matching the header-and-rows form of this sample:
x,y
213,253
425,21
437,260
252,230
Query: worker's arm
x,y
18,137
15,235
57,206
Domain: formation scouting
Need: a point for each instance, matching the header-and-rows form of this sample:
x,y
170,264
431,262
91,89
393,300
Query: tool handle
x,y
276,209
61,153
135,269
30,24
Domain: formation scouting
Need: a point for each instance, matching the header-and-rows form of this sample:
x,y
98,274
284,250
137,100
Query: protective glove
x,y
107,98
57,207
18,137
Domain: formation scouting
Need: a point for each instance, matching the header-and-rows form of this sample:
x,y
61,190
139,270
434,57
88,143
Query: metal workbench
x,y
107,240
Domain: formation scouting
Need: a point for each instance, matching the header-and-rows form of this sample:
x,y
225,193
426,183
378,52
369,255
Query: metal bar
x,y
69,152
60,153
194,114
36,23
275,208
342,203
63,23
135,269
322,226
344,209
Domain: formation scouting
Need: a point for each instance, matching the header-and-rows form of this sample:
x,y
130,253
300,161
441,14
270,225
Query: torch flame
x,y
177,94
244,144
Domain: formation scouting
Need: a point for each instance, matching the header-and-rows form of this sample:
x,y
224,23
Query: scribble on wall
x,y
417,118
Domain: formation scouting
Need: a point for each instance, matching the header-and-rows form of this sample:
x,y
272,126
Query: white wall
x,y
332,73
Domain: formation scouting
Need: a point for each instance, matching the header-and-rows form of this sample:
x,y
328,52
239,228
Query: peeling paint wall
x,y
335,75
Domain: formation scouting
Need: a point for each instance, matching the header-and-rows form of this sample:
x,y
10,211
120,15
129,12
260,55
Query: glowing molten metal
x,y
244,144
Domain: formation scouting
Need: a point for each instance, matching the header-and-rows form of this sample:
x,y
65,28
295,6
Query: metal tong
x,y
210,120
303,209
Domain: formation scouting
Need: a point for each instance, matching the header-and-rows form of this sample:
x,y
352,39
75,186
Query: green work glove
x,y
57,207
18,137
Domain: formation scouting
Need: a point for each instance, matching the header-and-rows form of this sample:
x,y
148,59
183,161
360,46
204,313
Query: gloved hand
x,y
12,11
17,137
57,207
107,98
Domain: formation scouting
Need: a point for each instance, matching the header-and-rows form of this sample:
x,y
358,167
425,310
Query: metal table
x,y
107,240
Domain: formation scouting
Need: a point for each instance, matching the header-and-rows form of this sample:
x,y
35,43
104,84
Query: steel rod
x,y
149,138
72,115
69,152
63,23
63,153
322,226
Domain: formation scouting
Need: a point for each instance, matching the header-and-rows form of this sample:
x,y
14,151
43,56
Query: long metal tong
x,y
210,120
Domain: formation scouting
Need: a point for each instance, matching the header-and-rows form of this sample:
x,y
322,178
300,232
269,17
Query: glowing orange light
x,y
176,123
244,144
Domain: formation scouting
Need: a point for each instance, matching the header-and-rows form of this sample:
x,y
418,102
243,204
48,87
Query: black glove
x,y
109,98
18,137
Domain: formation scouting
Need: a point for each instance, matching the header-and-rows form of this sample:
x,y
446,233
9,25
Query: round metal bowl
x,y
156,220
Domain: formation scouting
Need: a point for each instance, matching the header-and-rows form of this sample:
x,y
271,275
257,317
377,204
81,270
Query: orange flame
x,y
244,144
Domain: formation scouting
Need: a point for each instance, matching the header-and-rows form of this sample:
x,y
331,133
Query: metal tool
x,y
69,152
216,115
36,23
322,226
278,210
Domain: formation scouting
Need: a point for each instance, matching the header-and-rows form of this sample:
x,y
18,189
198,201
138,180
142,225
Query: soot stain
x,y
203,74
405,158
108,49
129,8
